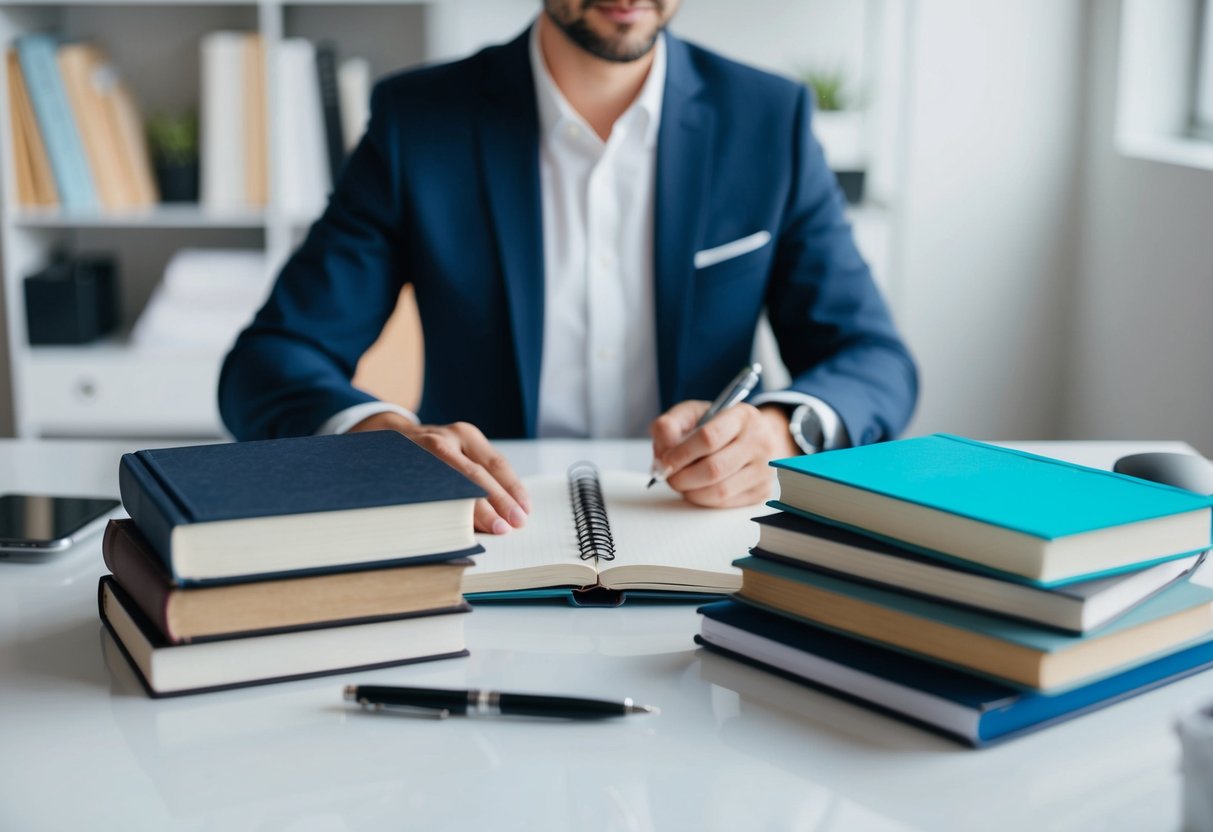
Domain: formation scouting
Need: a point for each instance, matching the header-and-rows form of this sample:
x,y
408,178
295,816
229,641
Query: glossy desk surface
x,y
81,747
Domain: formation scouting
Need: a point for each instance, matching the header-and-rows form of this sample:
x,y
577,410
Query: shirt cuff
x,y
343,420
833,431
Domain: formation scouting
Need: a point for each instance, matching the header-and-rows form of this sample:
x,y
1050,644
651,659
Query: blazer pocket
x,y
728,251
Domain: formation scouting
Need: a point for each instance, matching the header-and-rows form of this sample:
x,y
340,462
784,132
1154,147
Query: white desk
x,y
82,748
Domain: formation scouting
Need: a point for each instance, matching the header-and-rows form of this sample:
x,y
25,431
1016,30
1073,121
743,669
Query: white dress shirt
x,y
599,372
598,375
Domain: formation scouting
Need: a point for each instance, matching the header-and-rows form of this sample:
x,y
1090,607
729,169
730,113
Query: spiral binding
x,y
594,538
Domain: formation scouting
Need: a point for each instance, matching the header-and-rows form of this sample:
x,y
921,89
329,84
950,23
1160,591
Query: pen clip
x,y
416,711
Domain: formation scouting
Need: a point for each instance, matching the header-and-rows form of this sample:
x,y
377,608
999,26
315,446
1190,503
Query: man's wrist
x,y
386,420
777,416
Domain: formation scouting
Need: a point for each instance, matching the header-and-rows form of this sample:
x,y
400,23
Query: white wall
x,y
1141,338
987,247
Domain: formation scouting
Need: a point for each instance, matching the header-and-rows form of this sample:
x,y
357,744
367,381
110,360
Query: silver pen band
x,y
483,702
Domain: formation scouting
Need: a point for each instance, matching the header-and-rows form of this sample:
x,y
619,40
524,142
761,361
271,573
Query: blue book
x,y
1014,652
250,510
64,146
1030,517
972,709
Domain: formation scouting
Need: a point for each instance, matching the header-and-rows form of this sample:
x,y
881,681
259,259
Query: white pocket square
x,y
712,256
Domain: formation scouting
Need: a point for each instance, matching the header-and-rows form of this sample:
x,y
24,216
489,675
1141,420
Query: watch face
x,y
806,429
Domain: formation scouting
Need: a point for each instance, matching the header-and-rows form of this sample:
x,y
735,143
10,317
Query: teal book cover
x,y
1181,597
1035,495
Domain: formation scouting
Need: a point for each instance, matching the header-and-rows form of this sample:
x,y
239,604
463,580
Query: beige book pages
x,y
45,192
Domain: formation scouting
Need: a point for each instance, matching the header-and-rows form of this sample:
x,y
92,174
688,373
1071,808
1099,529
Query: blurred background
x,y
1031,181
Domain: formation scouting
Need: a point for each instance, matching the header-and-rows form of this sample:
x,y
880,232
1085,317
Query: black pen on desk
x,y
440,703
737,391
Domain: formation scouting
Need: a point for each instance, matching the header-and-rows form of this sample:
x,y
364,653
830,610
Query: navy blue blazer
x,y
443,192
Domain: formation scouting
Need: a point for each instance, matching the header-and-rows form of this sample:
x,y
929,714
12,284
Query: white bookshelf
x,y
116,389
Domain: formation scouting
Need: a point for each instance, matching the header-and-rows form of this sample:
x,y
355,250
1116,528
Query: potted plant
x,y
173,144
838,126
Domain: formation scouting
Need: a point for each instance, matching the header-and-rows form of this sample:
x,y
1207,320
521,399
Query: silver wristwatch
x,y
806,429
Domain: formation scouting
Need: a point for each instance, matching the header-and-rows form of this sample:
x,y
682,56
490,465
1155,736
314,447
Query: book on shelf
x,y
597,538
1025,516
354,94
1076,607
235,511
256,123
32,168
1001,648
85,79
303,166
972,709
330,104
233,154
74,184
167,669
185,614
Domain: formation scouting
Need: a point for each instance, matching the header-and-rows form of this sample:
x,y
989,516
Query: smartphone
x,y
35,523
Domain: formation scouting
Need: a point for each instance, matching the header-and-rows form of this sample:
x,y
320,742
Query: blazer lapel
x,y
684,158
508,138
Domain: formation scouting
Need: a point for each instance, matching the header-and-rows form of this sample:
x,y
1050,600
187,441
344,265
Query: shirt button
x,y
604,260
606,355
573,131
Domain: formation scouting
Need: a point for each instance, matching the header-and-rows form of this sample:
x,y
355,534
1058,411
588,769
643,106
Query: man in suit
x,y
593,217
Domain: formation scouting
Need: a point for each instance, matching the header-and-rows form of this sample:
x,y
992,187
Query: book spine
x,y
64,146
151,507
222,140
135,569
330,102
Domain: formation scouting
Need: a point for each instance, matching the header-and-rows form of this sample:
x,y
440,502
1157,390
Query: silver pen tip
x,y
643,709
351,693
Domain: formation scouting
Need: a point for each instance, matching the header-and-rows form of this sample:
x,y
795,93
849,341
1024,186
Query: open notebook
x,y
592,535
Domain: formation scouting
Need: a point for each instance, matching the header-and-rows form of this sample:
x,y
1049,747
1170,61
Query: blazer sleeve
x,y
290,370
833,328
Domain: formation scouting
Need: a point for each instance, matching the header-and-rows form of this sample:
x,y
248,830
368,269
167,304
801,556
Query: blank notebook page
x,y
657,527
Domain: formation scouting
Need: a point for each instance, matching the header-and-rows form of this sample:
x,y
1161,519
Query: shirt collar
x,y
554,108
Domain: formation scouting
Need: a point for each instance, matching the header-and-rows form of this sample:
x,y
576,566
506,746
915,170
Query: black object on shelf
x,y
74,300
851,182
177,181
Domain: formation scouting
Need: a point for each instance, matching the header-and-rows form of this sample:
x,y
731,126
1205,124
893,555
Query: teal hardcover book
x,y
1014,651
1037,518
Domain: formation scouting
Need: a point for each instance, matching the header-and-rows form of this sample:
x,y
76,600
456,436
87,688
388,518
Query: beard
x,y
618,47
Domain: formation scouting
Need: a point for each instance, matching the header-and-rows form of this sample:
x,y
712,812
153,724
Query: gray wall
x,y
1141,341
989,226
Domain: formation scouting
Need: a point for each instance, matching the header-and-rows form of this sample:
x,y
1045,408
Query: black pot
x,y
178,181
851,182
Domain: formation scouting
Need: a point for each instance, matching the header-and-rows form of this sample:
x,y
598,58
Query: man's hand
x,y
723,463
464,448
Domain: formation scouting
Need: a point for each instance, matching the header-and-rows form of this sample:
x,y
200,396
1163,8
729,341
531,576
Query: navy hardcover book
x,y
309,504
970,708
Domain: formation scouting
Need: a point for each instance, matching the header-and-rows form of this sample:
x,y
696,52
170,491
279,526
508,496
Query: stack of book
x,y
974,589
77,132
265,561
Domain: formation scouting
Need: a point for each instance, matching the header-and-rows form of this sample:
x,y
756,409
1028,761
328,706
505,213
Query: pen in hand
x,y
440,703
735,393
